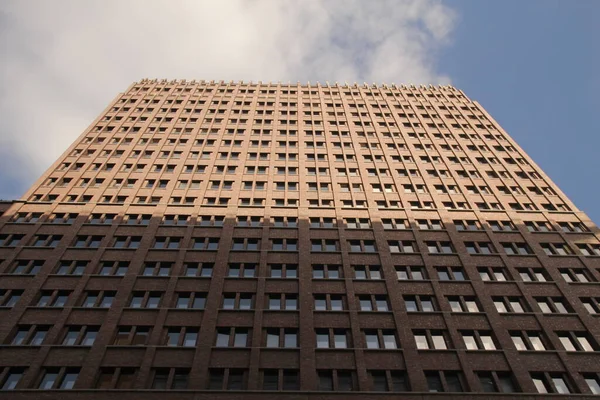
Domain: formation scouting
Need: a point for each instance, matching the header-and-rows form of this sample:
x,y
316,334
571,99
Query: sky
x,y
534,65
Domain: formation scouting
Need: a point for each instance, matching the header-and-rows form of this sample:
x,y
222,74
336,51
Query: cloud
x,y
64,61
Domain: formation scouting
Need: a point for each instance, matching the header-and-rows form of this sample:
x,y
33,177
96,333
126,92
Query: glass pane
x,y
13,379
438,341
487,383
470,342
560,385
69,381
519,343
48,380
421,341
290,340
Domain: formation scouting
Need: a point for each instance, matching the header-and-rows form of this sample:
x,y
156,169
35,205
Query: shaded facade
x,y
222,240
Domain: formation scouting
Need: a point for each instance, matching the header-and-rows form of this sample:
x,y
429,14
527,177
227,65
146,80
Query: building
x,y
213,240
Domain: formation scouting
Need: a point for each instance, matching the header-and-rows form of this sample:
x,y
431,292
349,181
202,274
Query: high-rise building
x,y
214,240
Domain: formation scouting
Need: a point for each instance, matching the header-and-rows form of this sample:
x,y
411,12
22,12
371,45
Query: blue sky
x,y
534,65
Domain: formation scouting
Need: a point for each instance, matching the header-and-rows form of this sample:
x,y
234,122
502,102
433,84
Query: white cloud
x,y
63,61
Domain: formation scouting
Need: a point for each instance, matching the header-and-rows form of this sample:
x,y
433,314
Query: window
x,y
373,303
430,339
137,219
132,335
533,274
100,299
27,267
516,248
420,303
463,304
238,301
80,335
336,380
325,245
166,242
285,222
529,340
467,225
9,297
552,305
198,269
127,242
210,220
509,304
329,302
289,271
211,244
284,244
440,247
496,381
181,336
576,275
538,226
430,224
116,378
116,268
584,248
63,218
499,226
497,274
410,273
280,379
551,382
332,338
157,269
593,382
575,226
69,267
285,301
241,270
105,219
556,249
367,272
322,222
450,273
170,378
245,244
45,240
92,242
405,246
190,300
145,300
58,378
10,240
326,271
32,335
395,223
389,381
478,340
56,298
380,339
444,381
357,223
362,246
175,220
281,337
11,377
232,337
227,379
479,248
577,341
23,218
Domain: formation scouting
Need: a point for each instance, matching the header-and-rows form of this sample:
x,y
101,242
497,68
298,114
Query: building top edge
x,y
289,83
